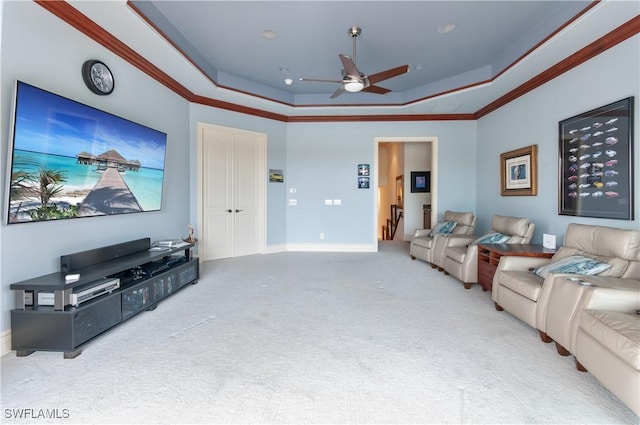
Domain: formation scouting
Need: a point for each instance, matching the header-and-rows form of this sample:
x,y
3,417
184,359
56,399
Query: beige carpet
x,y
299,338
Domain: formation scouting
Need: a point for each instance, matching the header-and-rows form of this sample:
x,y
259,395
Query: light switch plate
x,y
293,202
337,202
328,202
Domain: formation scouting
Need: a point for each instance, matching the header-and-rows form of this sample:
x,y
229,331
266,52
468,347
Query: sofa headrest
x,y
466,218
466,222
603,241
513,226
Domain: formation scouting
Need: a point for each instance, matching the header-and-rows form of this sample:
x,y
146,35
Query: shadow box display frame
x,y
596,162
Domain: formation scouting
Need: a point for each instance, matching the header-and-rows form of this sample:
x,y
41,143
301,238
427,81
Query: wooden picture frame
x,y
519,172
596,162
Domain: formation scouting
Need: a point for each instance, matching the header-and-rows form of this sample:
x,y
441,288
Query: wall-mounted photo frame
x,y
364,170
363,182
400,191
596,162
519,172
276,176
420,181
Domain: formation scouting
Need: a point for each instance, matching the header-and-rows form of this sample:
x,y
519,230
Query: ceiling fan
x,y
354,80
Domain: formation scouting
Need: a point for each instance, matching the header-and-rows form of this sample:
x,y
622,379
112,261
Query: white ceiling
x,y
235,63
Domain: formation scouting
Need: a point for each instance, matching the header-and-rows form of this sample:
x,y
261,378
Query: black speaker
x,y
78,260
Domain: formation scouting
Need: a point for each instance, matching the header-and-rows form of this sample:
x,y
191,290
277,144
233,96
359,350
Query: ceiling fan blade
x,y
318,80
389,73
376,89
338,92
349,67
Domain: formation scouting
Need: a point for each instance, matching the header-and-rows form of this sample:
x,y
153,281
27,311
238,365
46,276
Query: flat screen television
x,y
70,160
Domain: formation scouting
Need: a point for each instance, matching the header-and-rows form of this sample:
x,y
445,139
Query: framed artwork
x,y
596,162
276,176
519,172
400,191
363,182
420,181
364,170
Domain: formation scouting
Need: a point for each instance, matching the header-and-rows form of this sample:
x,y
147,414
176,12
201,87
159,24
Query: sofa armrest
x,y
608,282
521,263
459,240
421,232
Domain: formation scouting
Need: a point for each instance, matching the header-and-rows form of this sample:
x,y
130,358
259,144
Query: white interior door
x,y
246,200
233,186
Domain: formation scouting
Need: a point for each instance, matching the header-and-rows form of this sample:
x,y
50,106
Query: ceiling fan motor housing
x,y
354,31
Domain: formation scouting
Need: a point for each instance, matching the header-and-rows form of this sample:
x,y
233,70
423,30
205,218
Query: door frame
x,y
433,140
262,183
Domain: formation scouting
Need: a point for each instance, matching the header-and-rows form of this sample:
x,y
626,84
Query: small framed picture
x,y
519,172
364,170
276,176
420,181
363,182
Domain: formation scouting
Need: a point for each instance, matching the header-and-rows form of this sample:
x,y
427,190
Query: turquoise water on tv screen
x,y
146,184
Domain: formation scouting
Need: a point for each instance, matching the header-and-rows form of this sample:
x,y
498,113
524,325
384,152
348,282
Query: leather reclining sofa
x,y
594,317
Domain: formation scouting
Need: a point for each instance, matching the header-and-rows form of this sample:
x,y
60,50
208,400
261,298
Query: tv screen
x,y
70,160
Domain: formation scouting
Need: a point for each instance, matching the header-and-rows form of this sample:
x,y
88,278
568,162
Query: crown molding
x,y
91,29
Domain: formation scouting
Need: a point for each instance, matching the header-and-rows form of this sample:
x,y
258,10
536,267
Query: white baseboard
x,y
5,342
273,249
332,248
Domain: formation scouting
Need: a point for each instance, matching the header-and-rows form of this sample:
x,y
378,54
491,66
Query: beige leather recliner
x,y
422,245
592,317
461,256
617,288
554,304
608,346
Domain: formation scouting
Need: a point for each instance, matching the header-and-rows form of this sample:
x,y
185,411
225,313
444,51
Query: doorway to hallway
x,y
395,159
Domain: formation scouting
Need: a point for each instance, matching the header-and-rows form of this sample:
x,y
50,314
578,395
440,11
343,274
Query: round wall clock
x,y
98,77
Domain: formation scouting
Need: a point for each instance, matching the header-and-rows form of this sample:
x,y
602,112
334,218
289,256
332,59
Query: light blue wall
x,y
533,119
322,161
40,49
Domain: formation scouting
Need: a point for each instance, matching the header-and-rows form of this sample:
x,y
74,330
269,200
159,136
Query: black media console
x,y
94,291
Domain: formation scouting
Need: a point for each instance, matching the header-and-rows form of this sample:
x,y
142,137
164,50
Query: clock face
x,y
98,77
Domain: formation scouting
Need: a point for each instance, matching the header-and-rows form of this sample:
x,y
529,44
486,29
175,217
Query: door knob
x,y
229,211
237,210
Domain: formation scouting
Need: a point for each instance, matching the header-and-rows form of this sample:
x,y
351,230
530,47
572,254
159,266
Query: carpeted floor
x,y
301,337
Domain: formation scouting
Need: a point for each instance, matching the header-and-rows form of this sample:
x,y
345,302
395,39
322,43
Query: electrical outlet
x,y
322,236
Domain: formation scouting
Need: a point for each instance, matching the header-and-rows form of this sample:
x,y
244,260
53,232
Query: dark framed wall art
x,y
420,181
596,162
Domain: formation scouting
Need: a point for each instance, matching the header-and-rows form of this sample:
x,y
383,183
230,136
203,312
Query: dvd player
x,y
87,294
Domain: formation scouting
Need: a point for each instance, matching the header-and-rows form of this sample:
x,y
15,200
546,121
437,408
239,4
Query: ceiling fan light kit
x,y
355,81
353,86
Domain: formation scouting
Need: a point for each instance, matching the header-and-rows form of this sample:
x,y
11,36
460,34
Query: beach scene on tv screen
x,y
70,160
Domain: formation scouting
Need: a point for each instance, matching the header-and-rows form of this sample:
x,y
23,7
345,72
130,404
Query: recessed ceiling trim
x,y
82,23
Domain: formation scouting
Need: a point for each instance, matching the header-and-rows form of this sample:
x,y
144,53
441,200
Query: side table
x,y
489,257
